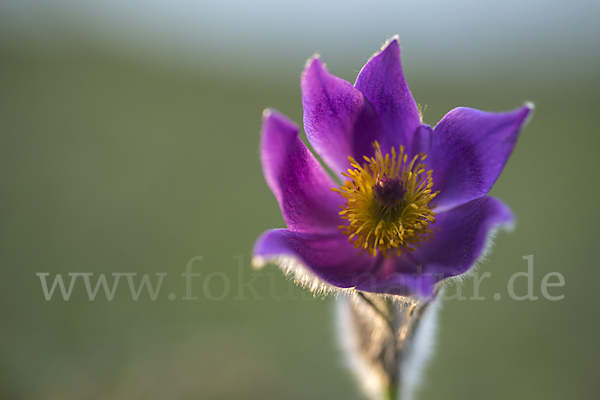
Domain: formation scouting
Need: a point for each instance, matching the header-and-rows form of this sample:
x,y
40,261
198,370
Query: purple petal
x,y
461,236
382,82
329,256
298,181
388,280
338,120
467,151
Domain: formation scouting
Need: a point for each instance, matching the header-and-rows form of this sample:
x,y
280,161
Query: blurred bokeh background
x,y
129,138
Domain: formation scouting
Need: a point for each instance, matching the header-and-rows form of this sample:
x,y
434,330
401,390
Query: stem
x,y
392,392
377,332
377,310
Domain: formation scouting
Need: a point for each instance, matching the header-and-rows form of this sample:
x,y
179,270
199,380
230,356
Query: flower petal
x,y
382,82
339,121
462,234
461,237
298,181
414,283
467,151
329,256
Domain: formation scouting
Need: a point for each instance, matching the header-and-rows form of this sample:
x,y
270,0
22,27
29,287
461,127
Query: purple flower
x,y
412,208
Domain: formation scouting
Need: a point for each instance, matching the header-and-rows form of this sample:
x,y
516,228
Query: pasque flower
x,y
412,207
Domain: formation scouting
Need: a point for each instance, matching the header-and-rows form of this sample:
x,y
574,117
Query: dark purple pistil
x,y
389,191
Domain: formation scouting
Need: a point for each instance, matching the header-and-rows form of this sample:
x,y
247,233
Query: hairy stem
x,y
384,315
377,332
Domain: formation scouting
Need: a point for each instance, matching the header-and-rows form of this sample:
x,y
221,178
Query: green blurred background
x,y
124,149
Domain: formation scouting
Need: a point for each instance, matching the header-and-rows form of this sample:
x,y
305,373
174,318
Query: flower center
x,y
387,202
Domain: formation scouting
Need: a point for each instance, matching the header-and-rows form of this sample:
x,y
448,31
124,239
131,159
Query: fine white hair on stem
x,y
386,342
369,378
419,352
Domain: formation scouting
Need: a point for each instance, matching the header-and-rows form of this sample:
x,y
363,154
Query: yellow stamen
x,y
387,202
